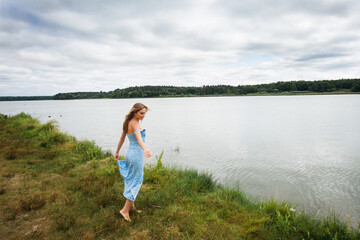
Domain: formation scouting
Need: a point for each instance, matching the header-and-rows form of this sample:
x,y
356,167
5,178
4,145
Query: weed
x,y
32,201
48,135
155,174
89,150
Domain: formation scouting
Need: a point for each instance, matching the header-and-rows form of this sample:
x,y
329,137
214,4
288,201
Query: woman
x,y
132,168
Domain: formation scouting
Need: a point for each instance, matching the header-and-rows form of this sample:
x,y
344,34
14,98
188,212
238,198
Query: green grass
x,y
55,187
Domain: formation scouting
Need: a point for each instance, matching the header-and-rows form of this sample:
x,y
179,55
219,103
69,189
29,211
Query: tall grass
x,y
286,221
89,150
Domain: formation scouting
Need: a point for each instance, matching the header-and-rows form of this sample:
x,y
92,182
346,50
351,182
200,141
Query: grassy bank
x,y
56,187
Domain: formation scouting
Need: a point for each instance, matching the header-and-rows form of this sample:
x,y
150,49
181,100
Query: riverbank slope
x,y
55,187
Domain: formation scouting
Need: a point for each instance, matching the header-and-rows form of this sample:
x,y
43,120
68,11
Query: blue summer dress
x,y
132,168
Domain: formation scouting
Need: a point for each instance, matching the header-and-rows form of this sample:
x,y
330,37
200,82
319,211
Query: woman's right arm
x,y
140,141
142,145
122,139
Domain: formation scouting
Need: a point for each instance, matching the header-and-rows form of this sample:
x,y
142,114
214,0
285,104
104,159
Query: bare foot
x,y
134,209
138,211
126,216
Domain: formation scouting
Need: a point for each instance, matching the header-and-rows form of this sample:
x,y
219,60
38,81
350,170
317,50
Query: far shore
x,y
291,93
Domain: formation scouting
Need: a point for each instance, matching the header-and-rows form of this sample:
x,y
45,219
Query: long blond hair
x,y
137,107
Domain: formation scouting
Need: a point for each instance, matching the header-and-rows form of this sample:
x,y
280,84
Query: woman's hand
x,y
116,157
147,153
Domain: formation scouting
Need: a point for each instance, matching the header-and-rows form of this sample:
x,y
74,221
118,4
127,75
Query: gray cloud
x,y
320,56
48,47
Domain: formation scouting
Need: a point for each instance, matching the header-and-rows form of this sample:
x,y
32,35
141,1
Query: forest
x,y
276,88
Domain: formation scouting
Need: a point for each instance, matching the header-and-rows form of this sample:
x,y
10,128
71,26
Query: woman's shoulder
x,y
133,124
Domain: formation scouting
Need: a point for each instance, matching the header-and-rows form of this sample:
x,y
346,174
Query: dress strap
x,y
136,130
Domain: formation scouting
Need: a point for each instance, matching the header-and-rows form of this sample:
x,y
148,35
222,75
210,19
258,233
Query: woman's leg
x,y
125,210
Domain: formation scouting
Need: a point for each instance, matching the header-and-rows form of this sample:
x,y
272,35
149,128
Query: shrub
x,y
49,135
89,150
154,173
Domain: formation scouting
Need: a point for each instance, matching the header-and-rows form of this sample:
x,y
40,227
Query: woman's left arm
x,y
122,139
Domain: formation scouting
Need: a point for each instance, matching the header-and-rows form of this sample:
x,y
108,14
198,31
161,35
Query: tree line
x,y
167,91
295,87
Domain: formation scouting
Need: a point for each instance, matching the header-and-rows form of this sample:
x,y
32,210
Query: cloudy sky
x,y
47,47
